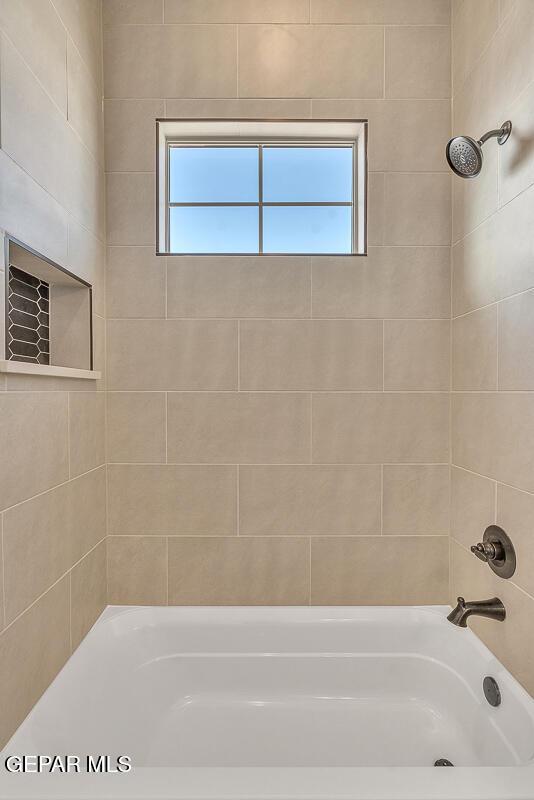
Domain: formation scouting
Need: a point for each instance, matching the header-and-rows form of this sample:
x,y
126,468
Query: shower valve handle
x,y
497,551
487,551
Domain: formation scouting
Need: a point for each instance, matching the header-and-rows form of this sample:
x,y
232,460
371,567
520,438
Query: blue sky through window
x,y
216,205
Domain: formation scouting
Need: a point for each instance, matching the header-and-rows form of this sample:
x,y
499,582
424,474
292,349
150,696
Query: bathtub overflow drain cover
x,y
492,692
443,762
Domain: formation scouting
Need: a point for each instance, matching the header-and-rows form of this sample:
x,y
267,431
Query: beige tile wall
x,y
492,310
271,420
52,450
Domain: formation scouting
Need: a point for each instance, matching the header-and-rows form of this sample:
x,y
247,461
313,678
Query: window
x,y
228,187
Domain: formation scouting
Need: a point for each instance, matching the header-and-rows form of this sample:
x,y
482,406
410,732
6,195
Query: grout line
x,y
497,347
311,288
311,428
384,63
495,302
3,572
68,436
383,355
243,318
336,464
381,499
52,488
309,571
106,508
238,512
497,480
238,355
61,577
237,61
166,427
167,570
237,391
278,535
70,611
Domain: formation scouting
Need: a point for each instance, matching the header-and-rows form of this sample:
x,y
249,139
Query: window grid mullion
x,y
260,197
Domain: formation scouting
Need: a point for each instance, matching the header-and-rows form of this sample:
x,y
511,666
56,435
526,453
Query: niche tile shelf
x,y
48,316
28,331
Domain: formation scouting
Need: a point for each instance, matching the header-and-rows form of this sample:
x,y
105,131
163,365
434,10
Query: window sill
x,y
23,368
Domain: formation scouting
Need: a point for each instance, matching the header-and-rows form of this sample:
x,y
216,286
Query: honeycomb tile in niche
x,y
28,332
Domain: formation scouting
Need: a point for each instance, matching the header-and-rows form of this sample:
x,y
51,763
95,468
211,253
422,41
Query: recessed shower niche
x,y
47,313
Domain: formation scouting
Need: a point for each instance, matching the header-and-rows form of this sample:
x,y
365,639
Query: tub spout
x,y
493,609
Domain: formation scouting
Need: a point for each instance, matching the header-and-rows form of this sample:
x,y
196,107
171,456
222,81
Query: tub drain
x,y
443,762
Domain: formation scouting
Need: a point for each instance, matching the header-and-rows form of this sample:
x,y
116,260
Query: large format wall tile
x,y
390,12
374,428
172,354
417,354
418,62
88,592
238,287
394,125
506,455
238,428
46,535
27,107
516,342
171,499
131,208
86,431
30,214
417,209
177,61
2,607
36,31
239,107
474,351
496,259
83,20
222,11
472,506
474,23
32,424
32,651
135,283
416,499
133,12
398,282
515,513
137,570
351,63
239,571
136,427
310,354
85,103
309,500
130,133
516,166
376,570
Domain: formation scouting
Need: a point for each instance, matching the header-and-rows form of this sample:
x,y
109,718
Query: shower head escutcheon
x,y
464,154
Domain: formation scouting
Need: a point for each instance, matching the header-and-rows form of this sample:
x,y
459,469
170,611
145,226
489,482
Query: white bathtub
x,y
281,702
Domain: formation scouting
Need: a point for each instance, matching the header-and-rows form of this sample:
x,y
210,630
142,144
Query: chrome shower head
x,y
464,154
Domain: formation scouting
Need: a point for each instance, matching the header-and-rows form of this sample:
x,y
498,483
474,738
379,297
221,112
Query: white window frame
x,y
260,133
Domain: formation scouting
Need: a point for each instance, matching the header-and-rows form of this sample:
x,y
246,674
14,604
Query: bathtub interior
x,y
302,687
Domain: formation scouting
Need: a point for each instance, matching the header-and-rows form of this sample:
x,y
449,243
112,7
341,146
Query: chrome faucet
x,y
493,609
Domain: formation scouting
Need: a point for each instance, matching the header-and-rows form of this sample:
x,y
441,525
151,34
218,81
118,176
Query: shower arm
x,y
501,134
490,135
